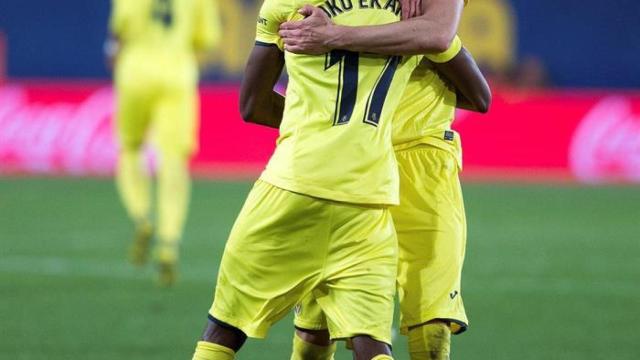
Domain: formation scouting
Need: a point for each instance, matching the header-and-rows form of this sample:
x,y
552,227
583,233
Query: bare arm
x,y
259,104
431,32
463,73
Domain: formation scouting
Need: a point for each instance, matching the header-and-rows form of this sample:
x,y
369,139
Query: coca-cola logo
x,y
606,144
75,138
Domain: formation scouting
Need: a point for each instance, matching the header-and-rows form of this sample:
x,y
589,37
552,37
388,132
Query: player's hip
x,y
139,75
285,244
436,141
356,179
430,192
290,219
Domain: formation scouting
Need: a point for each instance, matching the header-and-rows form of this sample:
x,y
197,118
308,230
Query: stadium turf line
x,y
552,272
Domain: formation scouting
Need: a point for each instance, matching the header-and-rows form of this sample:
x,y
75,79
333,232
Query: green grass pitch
x,y
552,272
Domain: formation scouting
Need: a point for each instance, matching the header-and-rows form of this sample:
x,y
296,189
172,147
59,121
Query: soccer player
x,y
317,221
430,220
155,46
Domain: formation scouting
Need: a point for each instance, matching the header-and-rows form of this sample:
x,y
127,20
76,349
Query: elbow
x,y
248,115
482,98
483,107
484,103
437,43
442,43
479,102
247,112
247,107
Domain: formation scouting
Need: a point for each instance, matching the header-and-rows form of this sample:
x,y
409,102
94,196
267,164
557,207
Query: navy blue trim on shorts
x,y
305,329
222,323
463,326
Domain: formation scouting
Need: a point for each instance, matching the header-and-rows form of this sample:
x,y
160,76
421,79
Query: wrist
x,y
336,38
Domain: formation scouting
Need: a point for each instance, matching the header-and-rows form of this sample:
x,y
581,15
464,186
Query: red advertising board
x,y
66,128
587,136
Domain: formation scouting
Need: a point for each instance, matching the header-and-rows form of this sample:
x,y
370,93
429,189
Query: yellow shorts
x,y
285,245
431,227
432,235
168,110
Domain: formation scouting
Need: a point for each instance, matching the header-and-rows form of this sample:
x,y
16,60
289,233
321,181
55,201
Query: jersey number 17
x,y
348,63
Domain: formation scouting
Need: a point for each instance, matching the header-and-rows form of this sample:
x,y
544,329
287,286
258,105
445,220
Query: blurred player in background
x,y
430,220
154,47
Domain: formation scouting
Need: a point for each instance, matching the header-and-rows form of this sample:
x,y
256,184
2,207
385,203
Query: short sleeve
x,y
272,14
208,30
450,53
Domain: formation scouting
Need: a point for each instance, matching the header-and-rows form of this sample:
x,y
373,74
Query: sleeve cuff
x,y
269,41
450,53
262,43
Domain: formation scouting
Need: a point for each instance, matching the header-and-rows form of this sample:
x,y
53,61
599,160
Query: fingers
x,y
293,49
411,8
290,34
319,12
290,25
311,11
302,37
303,50
307,10
404,4
419,9
294,46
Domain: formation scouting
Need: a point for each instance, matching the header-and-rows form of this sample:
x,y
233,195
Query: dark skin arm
x,y
259,104
472,88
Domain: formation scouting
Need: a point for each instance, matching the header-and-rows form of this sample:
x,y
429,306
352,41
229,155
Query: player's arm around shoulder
x,y
458,66
432,31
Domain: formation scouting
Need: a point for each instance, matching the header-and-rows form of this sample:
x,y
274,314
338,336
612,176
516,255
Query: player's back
x,y
157,35
335,137
426,112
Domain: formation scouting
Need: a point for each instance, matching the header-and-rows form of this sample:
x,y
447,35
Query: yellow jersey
x,y
162,38
426,112
335,136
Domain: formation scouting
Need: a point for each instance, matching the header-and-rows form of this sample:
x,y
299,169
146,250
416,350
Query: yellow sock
x,y
430,341
134,185
382,357
174,187
303,350
210,351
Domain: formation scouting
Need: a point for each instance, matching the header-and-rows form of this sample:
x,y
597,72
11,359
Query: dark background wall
x,y
55,38
587,43
583,42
